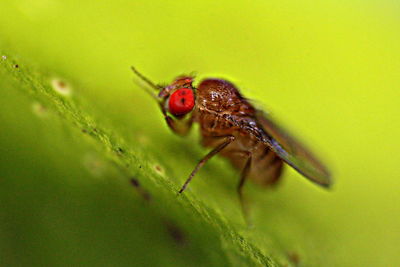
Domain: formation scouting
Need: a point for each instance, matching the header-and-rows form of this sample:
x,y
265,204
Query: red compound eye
x,y
181,101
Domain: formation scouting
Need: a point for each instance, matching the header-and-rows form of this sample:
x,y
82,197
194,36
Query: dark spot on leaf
x,y
94,132
143,193
159,169
146,196
176,233
134,182
61,87
61,84
119,151
294,257
16,66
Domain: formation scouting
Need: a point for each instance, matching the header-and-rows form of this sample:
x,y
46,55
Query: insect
x,y
233,128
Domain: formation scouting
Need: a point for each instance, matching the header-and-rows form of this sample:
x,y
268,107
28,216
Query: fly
x,y
233,128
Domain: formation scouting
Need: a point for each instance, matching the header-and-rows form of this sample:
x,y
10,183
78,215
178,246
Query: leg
x,y
180,127
228,139
243,177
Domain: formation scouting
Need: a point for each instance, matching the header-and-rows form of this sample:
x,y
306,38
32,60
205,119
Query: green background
x,y
330,70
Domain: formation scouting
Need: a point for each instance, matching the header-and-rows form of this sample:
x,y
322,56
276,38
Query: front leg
x,y
179,126
228,139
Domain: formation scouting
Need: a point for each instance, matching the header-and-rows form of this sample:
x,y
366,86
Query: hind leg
x,y
243,176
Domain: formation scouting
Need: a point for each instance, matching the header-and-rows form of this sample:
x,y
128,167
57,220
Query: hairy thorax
x,y
221,111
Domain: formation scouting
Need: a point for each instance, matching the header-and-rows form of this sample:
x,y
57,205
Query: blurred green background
x,y
330,70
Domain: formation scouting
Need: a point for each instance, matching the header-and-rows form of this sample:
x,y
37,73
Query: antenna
x,y
145,79
149,83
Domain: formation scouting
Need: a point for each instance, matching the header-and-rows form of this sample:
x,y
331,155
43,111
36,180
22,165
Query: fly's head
x,y
178,98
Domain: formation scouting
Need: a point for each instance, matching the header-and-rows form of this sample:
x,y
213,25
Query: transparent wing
x,y
294,153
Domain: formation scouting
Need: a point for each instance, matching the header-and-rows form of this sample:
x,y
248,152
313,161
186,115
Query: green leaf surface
x,y
91,193
89,172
